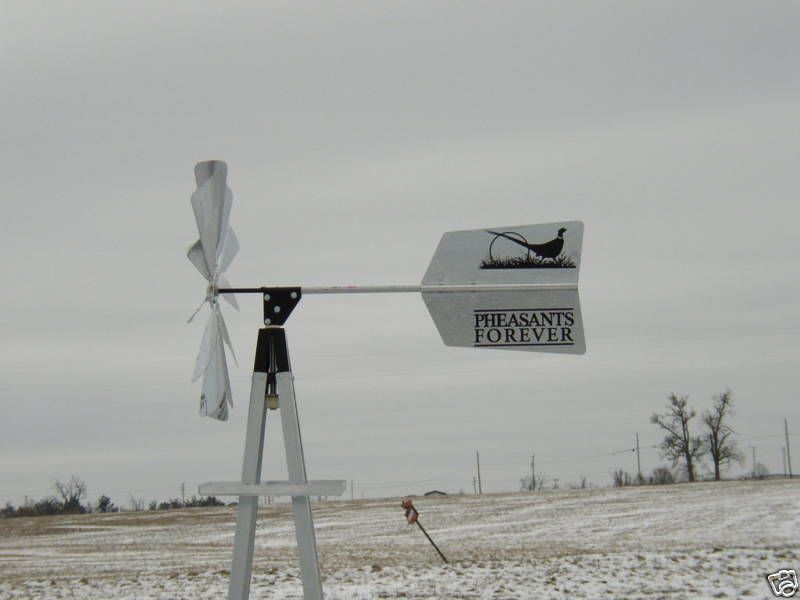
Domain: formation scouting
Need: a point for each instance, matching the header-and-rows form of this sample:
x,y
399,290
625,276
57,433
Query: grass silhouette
x,y
528,262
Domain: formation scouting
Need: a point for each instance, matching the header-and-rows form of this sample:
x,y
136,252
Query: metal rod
x,y
403,289
431,541
361,289
258,290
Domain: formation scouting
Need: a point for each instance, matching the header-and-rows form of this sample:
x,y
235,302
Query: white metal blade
x,y
230,248
216,394
223,331
211,214
210,341
223,282
198,259
211,203
205,170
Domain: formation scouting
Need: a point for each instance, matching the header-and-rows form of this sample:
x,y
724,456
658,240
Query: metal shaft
x,y
403,289
431,541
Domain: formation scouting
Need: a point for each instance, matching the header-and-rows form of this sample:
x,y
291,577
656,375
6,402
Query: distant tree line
x,y
685,444
659,476
686,448
715,440
69,498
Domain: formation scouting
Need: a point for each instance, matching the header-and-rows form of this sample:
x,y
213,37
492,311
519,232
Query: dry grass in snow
x,y
705,540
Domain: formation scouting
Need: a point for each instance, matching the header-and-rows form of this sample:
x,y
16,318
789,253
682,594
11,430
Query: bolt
x,y
266,297
293,295
277,309
267,321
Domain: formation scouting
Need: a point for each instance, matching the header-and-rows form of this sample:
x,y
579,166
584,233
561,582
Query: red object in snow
x,y
411,516
411,512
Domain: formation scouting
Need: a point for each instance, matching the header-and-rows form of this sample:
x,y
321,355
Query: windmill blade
x,y
230,248
212,203
198,259
216,392
223,333
211,212
213,367
223,282
211,339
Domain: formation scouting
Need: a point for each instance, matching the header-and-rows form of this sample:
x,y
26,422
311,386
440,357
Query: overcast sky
x,y
355,135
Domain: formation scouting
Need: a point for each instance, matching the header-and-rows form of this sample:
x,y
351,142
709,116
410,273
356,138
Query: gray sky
x,y
356,134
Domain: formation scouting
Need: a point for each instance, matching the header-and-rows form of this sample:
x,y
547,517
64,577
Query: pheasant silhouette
x,y
549,249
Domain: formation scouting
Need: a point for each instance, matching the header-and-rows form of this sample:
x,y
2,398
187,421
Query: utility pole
x,y
753,448
638,460
478,461
783,456
352,492
533,473
475,485
788,452
183,493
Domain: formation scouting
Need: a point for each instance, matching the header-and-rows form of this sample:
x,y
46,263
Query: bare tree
x,y
137,503
760,472
105,505
527,484
581,485
621,478
679,444
721,445
661,476
71,494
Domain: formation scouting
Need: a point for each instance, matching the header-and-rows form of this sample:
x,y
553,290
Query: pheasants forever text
x,y
524,327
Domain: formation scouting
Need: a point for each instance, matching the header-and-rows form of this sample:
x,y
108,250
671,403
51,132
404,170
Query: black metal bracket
x,y
272,357
279,302
272,354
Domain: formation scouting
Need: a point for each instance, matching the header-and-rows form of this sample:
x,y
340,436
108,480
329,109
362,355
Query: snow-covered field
x,y
704,540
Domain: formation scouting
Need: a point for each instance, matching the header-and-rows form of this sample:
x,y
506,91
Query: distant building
x,y
435,493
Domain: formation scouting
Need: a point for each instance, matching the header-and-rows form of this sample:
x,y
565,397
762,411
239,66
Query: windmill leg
x,y
242,566
301,505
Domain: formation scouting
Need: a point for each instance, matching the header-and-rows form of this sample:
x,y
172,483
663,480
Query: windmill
x,y
477,296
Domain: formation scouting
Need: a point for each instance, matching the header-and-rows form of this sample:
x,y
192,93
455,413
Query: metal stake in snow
x,y
511,288
412,516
